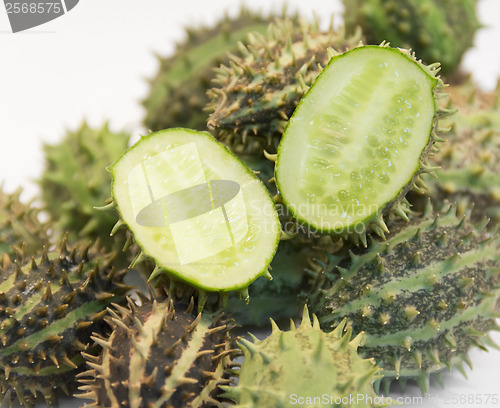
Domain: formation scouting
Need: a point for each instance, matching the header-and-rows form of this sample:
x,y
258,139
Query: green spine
x,y
49,307
437,30
19,226
258,90
178,91
159,354
424,297
75,181
328,363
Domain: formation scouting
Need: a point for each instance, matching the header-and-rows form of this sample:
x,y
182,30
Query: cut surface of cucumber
x,y
196,209
355,144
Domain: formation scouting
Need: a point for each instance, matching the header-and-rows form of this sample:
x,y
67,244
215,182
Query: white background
x,y
92,63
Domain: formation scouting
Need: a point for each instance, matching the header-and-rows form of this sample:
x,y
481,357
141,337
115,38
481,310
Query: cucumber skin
x,y
415,299
328,362
75,181
66,282
112,376
469,163
20,225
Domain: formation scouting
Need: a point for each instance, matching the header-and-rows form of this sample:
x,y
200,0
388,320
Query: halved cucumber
x,y
196,209
358,141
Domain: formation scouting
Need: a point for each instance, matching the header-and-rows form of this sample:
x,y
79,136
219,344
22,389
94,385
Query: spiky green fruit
x,y
75,181
423,298
159,354
258,90
437,30
19,226
49,307
359,141
196,210
328,364
469,165
469,173
178,91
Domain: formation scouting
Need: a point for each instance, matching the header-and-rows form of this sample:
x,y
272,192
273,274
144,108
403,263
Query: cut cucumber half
x,y
196,209
358,141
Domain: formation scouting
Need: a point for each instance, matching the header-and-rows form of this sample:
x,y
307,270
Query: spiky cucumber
x,y
258,89
20,226
469,166
359,141
178,91
75,181
49,307
196,210
328,364
423,298
437,30
469,173
159,354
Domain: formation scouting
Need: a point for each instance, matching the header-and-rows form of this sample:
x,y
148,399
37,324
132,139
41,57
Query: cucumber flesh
x,y
355,142
196,209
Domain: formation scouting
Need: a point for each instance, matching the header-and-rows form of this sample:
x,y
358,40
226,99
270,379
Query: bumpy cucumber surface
x,y
469,165
159,354
358,141
301,363
196,210
50,304
75,181
20,226
423,298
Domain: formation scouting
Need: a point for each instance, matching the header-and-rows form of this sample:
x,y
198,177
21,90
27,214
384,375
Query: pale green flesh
x,y
220,248
356,138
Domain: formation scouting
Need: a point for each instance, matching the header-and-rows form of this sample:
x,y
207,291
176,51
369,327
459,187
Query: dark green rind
x,y
437,30
424,297
178,91
75,181
258,89
159,353
49,307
